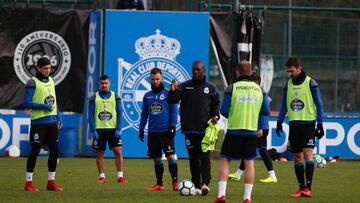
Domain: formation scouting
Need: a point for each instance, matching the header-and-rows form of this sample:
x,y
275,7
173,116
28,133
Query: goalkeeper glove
x,y
319,132
141,135
279,128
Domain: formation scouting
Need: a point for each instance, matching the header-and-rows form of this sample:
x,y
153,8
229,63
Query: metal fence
x,y
326,39
328,45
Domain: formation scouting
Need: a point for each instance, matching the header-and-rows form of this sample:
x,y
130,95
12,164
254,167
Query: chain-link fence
x,y
328,45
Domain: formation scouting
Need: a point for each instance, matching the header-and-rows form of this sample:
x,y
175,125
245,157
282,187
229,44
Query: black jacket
x,y
199,102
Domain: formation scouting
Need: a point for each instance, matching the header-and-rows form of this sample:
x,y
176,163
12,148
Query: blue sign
x,y
15,130
135,43
342,138
92,75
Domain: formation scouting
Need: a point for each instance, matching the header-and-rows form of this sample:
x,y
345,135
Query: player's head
x,y
156,77
198,70
104,83
293,67
244,69
43,65
256,78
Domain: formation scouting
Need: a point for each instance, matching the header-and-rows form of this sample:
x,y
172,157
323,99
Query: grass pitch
x,y
338,182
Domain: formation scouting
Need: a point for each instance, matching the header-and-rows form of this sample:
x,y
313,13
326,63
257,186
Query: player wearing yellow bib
x,y
243,103
105,125
302,101
40,97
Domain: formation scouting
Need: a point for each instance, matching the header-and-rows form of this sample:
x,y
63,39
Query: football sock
x,y
239,172
31,161
53,155
299,171
51,175
247,191
205,168
309,170
120,174
222,188
242,165
159,170
266,159
102,175
29,176
272,173
173,169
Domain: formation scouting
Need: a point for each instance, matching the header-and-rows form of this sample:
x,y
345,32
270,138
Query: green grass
x,y
338,182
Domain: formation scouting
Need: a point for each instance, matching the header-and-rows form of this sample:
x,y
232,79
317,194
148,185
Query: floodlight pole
x,y
235,30
290,30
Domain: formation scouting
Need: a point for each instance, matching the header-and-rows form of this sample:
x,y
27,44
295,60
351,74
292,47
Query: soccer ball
x,y
320,162
317,158
186,188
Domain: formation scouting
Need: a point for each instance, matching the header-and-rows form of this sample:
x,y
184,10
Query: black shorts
x,y
239,147
106,136
158,143
261,142
301,136
44,134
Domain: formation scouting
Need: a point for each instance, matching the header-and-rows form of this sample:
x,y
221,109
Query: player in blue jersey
x,y
105,124
261,142
161,118
45,117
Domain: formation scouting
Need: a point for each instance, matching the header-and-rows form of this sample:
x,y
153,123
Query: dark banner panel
x,y
249,31
249,37
28,34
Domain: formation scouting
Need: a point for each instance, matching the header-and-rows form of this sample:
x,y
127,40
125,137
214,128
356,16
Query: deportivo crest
x,y
36,136
206,90
42,44
155,51
156,108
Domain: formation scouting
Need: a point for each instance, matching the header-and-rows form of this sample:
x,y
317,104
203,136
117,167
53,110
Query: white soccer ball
x,y
186,188
317,157
320,163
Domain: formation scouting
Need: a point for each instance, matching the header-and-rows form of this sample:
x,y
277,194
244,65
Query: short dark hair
x,y
292,61
155,71
200,62
104,77
244,68
43,61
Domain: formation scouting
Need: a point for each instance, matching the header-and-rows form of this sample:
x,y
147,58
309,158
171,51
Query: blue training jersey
x,y
158,112
264,116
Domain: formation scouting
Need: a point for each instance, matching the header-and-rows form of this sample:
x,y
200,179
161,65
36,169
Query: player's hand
x,y
173,85
319,132
171,132
214,120
279,128
95,135
59,124
118,133
141,135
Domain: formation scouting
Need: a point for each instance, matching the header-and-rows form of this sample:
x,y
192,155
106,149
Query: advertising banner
x,y
92,75
26,34
138,41
15,130
342,138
